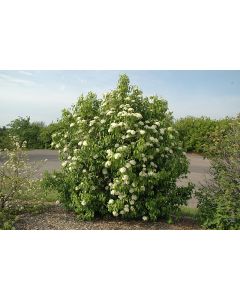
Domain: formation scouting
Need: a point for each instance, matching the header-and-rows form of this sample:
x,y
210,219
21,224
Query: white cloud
x,y
27,73
15,80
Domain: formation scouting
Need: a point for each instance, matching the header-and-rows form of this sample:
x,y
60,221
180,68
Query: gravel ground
x,y
56,217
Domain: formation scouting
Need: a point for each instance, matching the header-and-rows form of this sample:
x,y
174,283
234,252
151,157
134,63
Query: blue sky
x,y
43,94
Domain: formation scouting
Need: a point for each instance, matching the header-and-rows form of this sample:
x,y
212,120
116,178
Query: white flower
x,y
112,192
141,123
162,130
116,145
109,112
117,155
126,209
132,202
111,201
107,164
115,213
80,143
145,218
103,121
91,123
142,174
170,129
64,164
134,197
138,115
84,143
104,171
84,171
142,132
113,125
57,202
142,188
83,202
109,152
122,170
125,177
95,156
131,191
132,162
72,124
77,188
128,165
157,123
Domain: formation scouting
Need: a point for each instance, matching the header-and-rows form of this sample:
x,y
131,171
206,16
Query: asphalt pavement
x,y
199,167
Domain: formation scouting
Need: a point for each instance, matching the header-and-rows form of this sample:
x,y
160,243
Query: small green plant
x,y
7,220
219,200
120,156
17,181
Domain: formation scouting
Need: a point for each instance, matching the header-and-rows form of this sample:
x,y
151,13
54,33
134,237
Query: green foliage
x,y
16,175
195,133
120,156
7,220
219,200
199,134
27,131
46,134
4,138
36,134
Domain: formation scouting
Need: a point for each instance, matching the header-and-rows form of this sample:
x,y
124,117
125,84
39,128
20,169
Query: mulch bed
x,y
57,218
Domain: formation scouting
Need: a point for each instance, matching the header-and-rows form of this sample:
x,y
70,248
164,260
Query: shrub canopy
x,y
120,156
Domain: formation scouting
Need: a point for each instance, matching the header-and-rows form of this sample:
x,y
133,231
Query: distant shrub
x,y
4,138
46,134
219,200
195,133
120,156
199,134
27,131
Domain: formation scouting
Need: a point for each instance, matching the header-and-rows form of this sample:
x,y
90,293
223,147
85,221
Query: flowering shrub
x,y
219,200
120,156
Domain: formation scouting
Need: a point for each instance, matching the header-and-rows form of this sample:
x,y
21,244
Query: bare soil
x,y
57,218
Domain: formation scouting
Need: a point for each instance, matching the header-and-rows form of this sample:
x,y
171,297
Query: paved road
x,y
199,167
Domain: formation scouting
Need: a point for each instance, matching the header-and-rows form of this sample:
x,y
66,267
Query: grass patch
x,y
189,212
